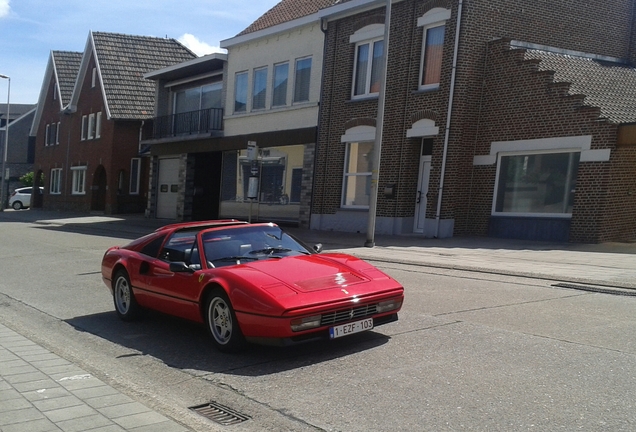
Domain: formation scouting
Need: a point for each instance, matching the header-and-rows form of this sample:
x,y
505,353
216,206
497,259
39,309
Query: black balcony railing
x,y
187,123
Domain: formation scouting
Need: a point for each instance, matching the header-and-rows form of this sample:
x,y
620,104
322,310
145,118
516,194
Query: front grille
x,y
350,314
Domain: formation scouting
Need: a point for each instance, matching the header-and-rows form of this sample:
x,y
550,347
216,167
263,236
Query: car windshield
x,y
223,247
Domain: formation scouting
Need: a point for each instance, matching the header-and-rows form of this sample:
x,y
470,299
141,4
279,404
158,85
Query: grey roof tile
x,y
67,64
123,61
608,86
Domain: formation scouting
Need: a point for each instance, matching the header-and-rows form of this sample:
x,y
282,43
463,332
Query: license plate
x,y
350,328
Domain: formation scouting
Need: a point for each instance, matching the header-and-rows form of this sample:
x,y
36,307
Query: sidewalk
x,y
606,264
41,392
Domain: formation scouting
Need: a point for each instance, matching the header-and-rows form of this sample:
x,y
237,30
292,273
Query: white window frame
x,y
91,126
346,175
256,71
247,90
94,78
98,125
286,88
135,181
79,180
432,86
368,35
47,134
57,133
435,17
300,59
84,127
494,211
56,181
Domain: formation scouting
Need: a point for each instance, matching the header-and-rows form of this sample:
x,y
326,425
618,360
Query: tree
x,y
27,179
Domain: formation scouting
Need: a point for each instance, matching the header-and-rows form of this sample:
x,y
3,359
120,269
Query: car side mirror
x,y
180,267
318,247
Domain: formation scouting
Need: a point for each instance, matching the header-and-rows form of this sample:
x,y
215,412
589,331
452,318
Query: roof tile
x,y
123,61
608,86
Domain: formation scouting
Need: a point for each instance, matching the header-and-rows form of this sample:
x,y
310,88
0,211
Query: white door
x,y
422,192
168,189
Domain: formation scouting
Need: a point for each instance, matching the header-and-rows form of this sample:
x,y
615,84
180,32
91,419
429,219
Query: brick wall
x,y
467,195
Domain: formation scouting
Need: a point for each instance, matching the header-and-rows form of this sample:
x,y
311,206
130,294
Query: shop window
x,y
536,184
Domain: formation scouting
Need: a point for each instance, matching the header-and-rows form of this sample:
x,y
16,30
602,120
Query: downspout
x,y
448,119
324,27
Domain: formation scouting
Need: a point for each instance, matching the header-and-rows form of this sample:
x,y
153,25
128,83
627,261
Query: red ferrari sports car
x,y
249,283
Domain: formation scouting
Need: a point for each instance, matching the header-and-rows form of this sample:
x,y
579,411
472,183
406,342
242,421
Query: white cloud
x,y
5,8
197,46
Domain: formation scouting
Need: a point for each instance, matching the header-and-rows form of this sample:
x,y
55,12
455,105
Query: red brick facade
x,y
104,157
499,96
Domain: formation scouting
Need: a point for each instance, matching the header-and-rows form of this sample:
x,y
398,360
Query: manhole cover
x,y
220,414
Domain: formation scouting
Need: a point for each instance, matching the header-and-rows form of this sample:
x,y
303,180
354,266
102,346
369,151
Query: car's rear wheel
x,y
17,205
221,322
125,304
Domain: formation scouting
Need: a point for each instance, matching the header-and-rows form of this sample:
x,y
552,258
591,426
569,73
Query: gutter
x,y
448,119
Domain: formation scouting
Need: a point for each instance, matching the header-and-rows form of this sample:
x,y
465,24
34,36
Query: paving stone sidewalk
x,y
41,392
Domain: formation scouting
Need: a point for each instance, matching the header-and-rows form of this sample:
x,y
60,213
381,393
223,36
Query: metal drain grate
x,y
603,290
220,414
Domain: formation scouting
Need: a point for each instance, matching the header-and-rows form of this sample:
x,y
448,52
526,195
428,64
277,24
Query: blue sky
x,y
30,29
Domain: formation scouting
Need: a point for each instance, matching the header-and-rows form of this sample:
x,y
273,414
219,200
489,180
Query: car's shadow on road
x,y
187,346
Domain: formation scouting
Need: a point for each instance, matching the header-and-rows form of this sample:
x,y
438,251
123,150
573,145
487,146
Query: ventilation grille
x,y
348,314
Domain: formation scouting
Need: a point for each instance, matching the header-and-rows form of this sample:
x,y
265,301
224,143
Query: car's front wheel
x,y
125,304
221,323
17,205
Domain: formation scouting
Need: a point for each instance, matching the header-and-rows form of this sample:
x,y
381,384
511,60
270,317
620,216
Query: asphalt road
x,y
470,352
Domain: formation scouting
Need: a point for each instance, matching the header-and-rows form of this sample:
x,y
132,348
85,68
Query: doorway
x,y
98,190
421,201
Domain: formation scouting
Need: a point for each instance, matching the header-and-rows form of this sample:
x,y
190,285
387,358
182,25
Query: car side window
x,y
179,247
152,248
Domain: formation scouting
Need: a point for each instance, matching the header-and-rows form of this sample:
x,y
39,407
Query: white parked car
x,y
21,198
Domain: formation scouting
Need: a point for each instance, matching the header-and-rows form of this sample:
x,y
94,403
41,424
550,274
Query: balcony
x,y
184,124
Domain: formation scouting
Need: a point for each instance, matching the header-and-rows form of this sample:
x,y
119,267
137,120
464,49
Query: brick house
x,y
502,118
91,111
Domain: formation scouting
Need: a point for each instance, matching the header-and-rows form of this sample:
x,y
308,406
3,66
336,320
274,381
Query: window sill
x,y
365,98
424,90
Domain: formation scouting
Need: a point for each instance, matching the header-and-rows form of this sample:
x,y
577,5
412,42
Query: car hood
x,y
308,281
312,272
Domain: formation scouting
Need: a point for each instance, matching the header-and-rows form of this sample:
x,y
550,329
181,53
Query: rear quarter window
x,y
152,248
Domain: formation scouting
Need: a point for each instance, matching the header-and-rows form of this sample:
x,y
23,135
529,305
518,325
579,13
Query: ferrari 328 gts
x,y
249,283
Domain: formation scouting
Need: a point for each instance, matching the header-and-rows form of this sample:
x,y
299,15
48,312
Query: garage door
x,y
168,189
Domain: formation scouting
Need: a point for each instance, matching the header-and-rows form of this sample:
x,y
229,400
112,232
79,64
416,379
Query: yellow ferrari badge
x,y
200,277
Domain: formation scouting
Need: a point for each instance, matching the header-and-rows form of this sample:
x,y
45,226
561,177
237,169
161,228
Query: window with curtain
x,y
357,175
432,50
259,91
368,67
240,92
281,77
302,79
539,183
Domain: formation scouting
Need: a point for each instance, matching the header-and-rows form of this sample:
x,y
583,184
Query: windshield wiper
x,y
270,250
234,258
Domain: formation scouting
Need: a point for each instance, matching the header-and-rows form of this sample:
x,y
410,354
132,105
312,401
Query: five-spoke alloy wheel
x,y
221,323
125,304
